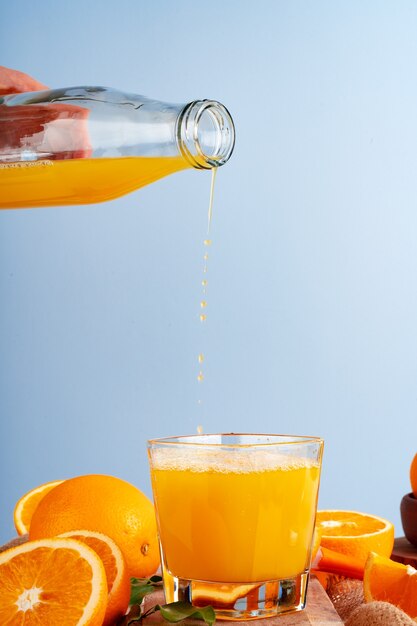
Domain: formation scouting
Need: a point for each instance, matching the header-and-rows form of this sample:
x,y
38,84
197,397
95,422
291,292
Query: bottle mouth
x,y
206,134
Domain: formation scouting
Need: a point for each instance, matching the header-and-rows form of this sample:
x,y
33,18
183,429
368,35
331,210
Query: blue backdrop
x,y
312,299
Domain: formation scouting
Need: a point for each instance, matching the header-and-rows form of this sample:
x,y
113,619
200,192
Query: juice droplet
x,y
205,257
204,283
200,377
203,304
200,358
207,242
203,317
200,429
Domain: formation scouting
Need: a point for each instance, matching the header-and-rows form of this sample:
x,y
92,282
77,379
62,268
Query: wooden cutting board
x,y
318,612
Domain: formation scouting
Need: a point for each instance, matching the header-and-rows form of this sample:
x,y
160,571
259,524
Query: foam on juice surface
x,y
239,460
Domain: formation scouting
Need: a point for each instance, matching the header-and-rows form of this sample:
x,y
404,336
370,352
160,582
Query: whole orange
x,y
107,505
413,475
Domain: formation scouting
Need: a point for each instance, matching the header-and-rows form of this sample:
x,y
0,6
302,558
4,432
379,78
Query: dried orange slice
x,y
392,582
52,581
27,504
355,534
118,580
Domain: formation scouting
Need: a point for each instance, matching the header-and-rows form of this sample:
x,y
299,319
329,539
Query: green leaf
x,y
177,611
141,587
138,593
173,612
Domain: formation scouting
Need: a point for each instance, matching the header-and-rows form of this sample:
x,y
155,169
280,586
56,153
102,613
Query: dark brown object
x,y
409,517
404,552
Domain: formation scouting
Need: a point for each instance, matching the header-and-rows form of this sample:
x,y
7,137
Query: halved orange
x,y
52,581
392,582
118,580
355,534
27,504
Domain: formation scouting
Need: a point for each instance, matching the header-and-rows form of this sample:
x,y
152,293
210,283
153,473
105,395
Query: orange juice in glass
x,y
236,517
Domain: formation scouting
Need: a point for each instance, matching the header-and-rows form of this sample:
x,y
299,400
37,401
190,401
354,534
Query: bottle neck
x,y
75,121
205,134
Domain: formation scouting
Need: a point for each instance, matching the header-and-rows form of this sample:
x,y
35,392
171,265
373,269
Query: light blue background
x,y
312,295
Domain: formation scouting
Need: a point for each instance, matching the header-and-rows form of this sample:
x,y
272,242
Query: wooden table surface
x,y
318,612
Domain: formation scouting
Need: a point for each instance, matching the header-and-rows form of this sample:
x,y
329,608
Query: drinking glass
x,y
236,515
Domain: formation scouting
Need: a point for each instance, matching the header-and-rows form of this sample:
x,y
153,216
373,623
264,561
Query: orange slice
x,y
392,582
27,504
52,581
355,534
118,580
222,595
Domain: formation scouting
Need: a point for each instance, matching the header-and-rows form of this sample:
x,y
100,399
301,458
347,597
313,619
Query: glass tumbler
x,y
236,515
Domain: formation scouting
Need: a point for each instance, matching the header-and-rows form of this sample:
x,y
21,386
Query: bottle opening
x,y
206,134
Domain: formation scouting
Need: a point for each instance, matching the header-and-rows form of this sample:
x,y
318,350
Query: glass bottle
x,y
89,144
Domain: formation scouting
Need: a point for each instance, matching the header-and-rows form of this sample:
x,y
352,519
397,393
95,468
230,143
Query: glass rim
x,y
280,440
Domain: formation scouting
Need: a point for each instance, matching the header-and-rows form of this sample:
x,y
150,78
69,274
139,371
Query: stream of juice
x,y
79,181
204,282
222,499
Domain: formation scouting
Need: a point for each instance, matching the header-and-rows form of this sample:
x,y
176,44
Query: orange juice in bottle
x,y
79,181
